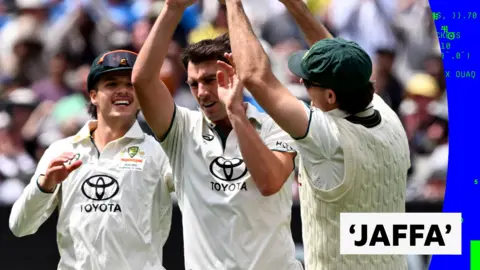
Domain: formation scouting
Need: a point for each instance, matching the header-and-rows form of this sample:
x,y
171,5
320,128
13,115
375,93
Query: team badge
x,y
132,151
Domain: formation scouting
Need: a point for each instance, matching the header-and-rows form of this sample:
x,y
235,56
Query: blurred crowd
x,y
48,45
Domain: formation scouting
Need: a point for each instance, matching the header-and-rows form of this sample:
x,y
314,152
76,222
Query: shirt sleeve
x,y
173,141
34,205
276,139
320,152
173,145
320,140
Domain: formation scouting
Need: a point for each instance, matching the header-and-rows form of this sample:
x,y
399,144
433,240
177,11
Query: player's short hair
x,y
207,50
354,101
92,109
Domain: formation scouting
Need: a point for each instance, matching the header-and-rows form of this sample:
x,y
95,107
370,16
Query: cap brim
x,y
95,78
114,69
295,64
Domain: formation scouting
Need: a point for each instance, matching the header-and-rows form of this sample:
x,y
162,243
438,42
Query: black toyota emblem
x,y
208,137
228,169
100,187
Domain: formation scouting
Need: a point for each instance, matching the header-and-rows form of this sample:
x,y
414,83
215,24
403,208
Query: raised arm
x,y
312,28
253,68
269,161
154,97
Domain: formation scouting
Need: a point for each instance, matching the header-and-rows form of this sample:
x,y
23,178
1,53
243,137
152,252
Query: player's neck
x,y
107,132
225,125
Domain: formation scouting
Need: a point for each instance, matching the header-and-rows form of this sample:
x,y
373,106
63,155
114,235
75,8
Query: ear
x,y
93,97
331,97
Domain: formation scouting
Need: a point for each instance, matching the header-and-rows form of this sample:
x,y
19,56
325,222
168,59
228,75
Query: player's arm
x,y
269,169
253,67
39,198
311,27
154,97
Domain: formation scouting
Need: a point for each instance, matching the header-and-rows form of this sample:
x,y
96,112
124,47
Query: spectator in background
x,y
210,29
22,49
386,83
416,37
421,91
53,87
281,28
433,66
122,14
15,165
141,28
280,54
366,22
16,162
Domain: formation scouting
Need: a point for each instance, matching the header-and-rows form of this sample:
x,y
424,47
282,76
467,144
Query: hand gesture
x,y
230,89
179,3
58,170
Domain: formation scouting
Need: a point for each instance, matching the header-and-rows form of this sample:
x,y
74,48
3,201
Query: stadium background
x,y
47,47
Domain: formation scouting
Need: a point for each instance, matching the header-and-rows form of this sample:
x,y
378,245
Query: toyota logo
x,y
100,187
208,137
228,169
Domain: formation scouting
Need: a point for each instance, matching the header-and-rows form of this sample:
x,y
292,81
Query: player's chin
x,y
123,113
218,116
216,112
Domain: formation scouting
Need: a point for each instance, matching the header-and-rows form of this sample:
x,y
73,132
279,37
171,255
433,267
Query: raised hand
x,y
230,89
58,170
179,3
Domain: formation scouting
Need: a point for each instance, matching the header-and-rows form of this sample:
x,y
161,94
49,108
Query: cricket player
x,y
354,153
232,165
110,182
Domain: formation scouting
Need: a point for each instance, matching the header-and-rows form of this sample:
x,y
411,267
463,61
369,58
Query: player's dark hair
x,y
92,109
206,50
354,101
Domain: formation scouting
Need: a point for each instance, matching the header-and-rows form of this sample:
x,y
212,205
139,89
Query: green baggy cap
x,y
333,63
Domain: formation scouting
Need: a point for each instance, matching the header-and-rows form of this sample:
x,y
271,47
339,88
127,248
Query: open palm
x,y
230,89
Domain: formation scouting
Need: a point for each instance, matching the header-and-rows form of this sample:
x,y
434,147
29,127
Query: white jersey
x,y
227,222
114,211
347,167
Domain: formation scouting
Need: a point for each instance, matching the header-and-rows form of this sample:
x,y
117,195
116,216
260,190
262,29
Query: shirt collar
x,y
342,114
135,131
252,114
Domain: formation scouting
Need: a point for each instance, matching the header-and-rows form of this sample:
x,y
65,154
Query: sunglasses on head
x,y
118,58
310,84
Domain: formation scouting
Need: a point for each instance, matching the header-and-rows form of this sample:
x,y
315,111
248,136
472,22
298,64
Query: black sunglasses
x,y
118,58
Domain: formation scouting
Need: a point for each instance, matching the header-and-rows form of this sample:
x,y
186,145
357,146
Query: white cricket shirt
x,y
114,211
348,167
227,222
